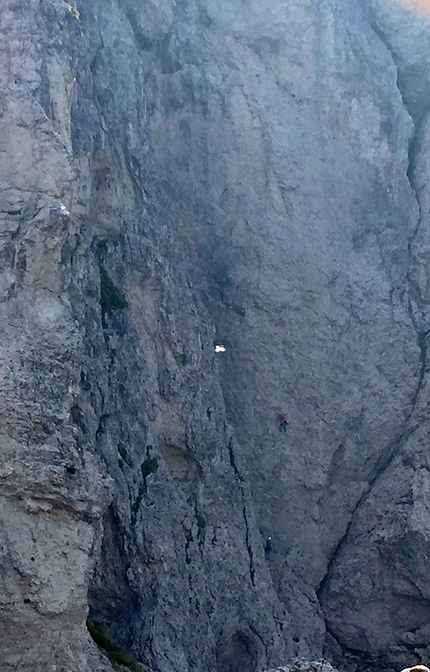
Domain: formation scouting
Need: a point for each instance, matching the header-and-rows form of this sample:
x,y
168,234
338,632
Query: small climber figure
x,y
268,546
283,422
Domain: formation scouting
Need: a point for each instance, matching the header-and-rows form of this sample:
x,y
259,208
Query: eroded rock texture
x,y
175,175
299,665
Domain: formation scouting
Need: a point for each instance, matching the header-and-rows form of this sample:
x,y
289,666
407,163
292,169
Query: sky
x,y
420,5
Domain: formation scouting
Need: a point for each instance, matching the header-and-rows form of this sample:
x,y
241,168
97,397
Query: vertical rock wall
x,y
53,493
375,593
174,175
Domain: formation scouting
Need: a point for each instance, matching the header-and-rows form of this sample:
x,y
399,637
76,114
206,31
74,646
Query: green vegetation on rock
x,y
118,655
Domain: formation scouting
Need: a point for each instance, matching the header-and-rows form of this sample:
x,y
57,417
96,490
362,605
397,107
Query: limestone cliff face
x,y
175,175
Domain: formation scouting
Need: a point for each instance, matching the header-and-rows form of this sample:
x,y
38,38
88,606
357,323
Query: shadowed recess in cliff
x,y
237,654
110,598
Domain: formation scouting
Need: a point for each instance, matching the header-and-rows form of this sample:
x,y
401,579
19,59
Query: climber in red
x,y
283,422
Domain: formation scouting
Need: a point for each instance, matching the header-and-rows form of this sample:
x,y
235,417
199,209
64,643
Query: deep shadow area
x,y
237,654
110,598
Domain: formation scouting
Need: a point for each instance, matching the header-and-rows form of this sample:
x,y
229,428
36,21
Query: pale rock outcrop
x,y
300,665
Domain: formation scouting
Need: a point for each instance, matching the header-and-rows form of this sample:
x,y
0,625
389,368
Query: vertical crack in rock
x,y
248,542
259,637
240,481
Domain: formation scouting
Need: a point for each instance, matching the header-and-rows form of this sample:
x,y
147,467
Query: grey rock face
x,y
375,593
175,175
299,665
